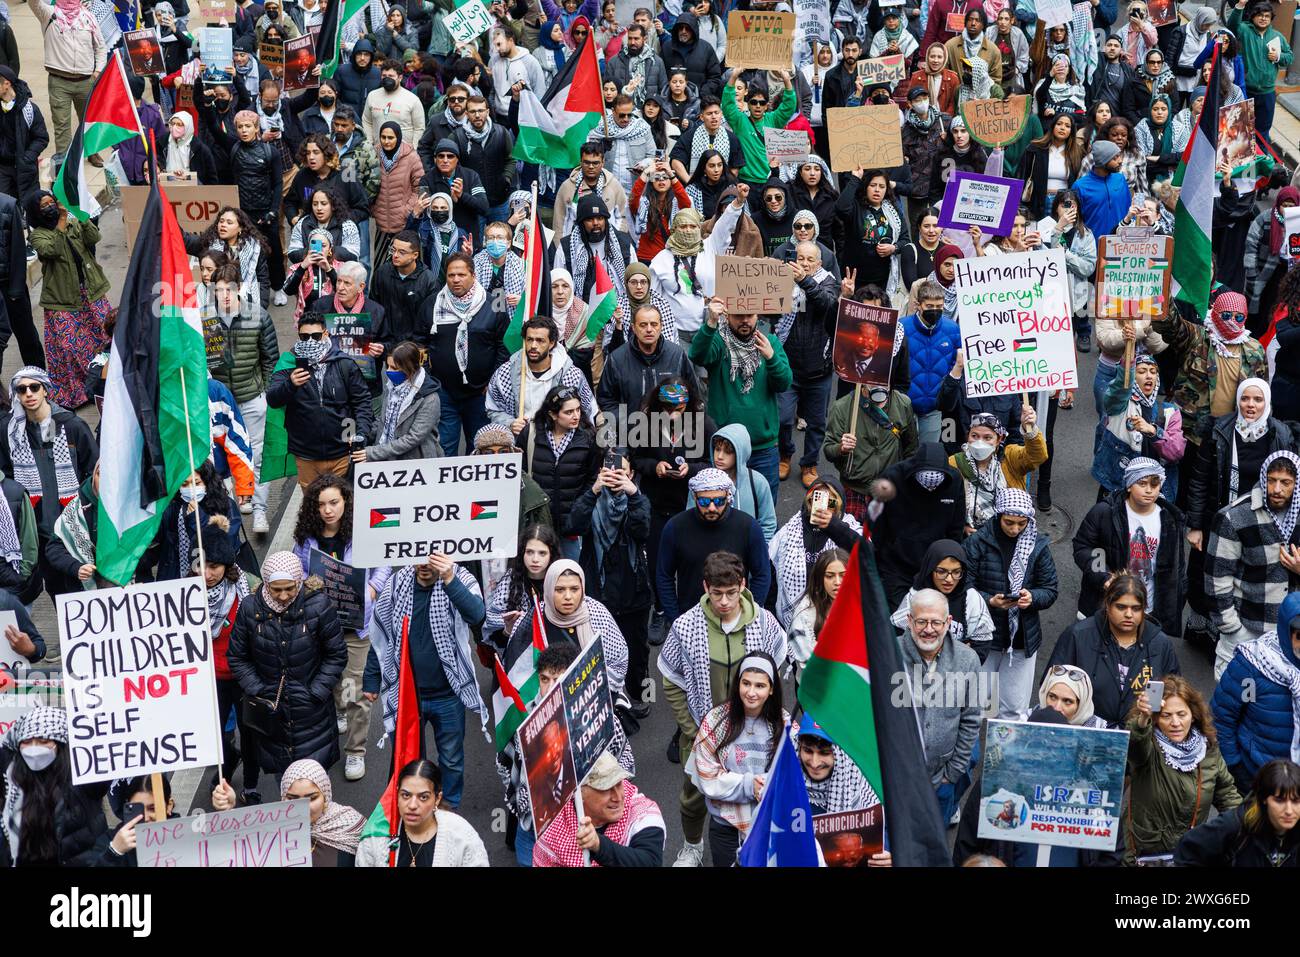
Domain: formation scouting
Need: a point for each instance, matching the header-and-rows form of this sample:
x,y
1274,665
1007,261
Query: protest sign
x,y
1017,326
214,341
145,51
264,835
463,507
625,11
184,96
216,10
995,123
299,59
1236,134
1161,12
1052,784
890,70
849,838
12,664
196,206
1054,13
973,199
747,285
760,41
139,680
344,585
814,22
469,21
864,343
217,48
786,146
547,754
955,21
1291,238
864,136
588,708
271,55
15,704
352,331
1133,276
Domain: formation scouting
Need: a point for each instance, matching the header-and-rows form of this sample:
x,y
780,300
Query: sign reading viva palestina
x,y
464,507
1017,327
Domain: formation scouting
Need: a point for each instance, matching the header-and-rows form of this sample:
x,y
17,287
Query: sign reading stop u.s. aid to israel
x,y
465,508
1017,328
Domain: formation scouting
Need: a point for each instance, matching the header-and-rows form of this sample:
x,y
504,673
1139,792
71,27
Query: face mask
x,y
440,216
390,83
193,493
395,377
497,248
273,14
38,757
979,451
326,101
931,316
879,97
922,107
50,217
222,105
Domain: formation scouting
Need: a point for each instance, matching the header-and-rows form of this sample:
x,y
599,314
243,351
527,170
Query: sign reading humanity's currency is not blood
x,y
463,507
1017,327
760,41
1133,276
762,286
264,835
468,21
865,136
785,146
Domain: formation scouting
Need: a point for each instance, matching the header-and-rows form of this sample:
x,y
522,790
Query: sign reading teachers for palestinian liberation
x,y
760,41
1017,327
1133,276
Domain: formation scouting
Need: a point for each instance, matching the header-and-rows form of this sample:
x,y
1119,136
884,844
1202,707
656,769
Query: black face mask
x,y
440,216
326,101
931,316
880,96
273,14
222,105
50,216
390,83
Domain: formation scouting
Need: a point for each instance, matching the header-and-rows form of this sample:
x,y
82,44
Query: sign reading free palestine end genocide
x,y
1017,327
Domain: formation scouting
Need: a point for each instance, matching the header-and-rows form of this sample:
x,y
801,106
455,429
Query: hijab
x,y
280,567
636,269
178,150
1077,680
569,315
579,620
338,826
677,243
1251,430
937,552
710,193
388,158
1163,135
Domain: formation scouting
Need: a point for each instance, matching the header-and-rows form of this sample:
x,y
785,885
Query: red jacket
x,y
222,642
936,24
948,87
652,240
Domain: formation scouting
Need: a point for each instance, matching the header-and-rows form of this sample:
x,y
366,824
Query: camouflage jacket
x,y
1199,372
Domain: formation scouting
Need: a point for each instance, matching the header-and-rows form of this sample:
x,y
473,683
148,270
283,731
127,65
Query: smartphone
x,y
300,362
659,156
821,499
317,246
1155,693
131,810
613,460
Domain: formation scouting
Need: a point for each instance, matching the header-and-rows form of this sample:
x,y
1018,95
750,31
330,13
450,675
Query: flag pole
x,y
600,78
528,305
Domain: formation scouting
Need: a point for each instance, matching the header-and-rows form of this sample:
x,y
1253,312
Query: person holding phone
x,y
821,525
132,800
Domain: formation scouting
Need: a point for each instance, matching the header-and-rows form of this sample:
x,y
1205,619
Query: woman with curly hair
x,y
326,211
319,165
237,236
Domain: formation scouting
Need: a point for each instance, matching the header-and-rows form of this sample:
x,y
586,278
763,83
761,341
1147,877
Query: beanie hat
x,y
1103,151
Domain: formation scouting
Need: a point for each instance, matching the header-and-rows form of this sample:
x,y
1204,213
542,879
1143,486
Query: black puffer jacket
x,y
317,414
258,173
774,229
808,344
304,646
78,819
13,249
630,375
30,139
492,161
564,480
1223,841
989,552
1207,485
698,57
1089,645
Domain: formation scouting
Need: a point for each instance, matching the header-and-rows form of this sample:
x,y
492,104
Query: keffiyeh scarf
x,y
1182,755
220,599
1265,654
450,309
743,355
1284,520
685,659
23,458
1222,333
700,144
1014,501
610,253
51,723
339,826
844,789
399,400
792,558
558,847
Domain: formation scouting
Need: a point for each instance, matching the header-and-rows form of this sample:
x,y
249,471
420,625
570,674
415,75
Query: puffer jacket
x,y
79,822
931,354
397,186
808,343
249,356
698,57
305,647
258,173
30,139
1090,645
565,478
491,159
984,554
416,433
355,85
1225,842
1208,480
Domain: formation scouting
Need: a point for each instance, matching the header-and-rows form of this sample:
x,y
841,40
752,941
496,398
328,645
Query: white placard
x,y
11,662
1291,236
1054,13
468,22
263,835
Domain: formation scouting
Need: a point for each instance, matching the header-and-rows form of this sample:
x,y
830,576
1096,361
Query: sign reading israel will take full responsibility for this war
x,y
464,507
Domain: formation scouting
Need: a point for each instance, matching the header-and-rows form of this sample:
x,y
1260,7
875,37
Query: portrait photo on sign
x,y
145,52
864,343
849,838
548,760
1236,133
299,59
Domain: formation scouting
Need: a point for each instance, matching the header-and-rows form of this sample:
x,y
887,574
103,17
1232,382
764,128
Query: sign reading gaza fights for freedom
x,y
464,507
760,41
138,680
1133,276
264,835
1017,327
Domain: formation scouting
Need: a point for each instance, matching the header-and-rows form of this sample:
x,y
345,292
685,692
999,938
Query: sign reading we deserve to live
x,y
138,680
1017,327
747,285
264,835
463,507
760,41
1133,276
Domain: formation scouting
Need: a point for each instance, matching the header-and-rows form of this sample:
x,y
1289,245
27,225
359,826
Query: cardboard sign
x,y
271,55
995,123
463,507
344,585
973,199
1291,238
849,838
760,41
214,340
1162,12
547,755
144,47
1017,325
469,21
1054,13
1236,134
786,146
1133,276
264,835
138,674
217,48
889,70
353,333
864,343
1052,784
867,136
214,11
763,286
196,206
299,59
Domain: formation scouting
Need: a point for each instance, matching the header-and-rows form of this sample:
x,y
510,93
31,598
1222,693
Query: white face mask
x,y
922,107
38,757
193,493
979,451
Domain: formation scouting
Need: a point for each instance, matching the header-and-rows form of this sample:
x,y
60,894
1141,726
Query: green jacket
x,y
750,133
1199,373
726,651
60,253
534,504
879,446
249,356
1162,801
365,166
756,409
1261,73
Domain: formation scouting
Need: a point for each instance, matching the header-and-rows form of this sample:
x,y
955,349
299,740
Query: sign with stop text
x,y
1017,327
196,206
464,507
138,680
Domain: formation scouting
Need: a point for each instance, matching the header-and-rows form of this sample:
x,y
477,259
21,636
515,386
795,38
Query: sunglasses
x,y
802,225
758,102
458,99
314,336
1232,316
1066,671
717,500
623,116
449,156
33,388
564,395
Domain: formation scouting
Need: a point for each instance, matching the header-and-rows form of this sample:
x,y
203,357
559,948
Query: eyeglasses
x,y
949,575
1154,61
929,623
716,500
1067,671
32,387
773,198
314,336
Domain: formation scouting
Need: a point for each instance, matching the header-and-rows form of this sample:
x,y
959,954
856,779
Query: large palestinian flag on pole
x,y
1192,266
553,129
110,119
517,687
155,427
329,42
536,300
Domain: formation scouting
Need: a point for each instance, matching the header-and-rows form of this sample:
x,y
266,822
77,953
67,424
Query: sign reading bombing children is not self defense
x,y
463,507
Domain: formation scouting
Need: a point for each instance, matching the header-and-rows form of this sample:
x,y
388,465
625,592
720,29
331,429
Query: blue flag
x,y
782,834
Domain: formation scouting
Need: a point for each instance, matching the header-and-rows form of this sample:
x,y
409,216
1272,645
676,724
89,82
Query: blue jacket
x,y
931,353
1252,714
1104,201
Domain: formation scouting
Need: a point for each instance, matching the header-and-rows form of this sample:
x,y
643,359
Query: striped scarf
x,y
844,789
558,847
23,458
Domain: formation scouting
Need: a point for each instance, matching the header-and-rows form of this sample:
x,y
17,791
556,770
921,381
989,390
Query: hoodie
x,y
776,229
699,59
355,84
753,494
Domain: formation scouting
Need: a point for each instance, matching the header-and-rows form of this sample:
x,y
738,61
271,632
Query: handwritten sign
x,y
864,343
344,585
996,122
866,136
214,11
353,333
299,59
760,41
890,70
973,199
1017,326
264,835
785,146
849,838
1054,13
814,22
468,22
1133,276
749,286
271,55
139,680
196,207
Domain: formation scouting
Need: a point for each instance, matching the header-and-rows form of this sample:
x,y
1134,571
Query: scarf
x,y
580,619
23,458
1195,33
454,122
743,354
69,16
1285,519
1162,136
1014,501
389,160
580,253
448,308
43,722
399,400
178,150
970,46
607,520
1222,333
1277,224
981,84
700,144
314,352
278,567
479,136
221,597
795,549
844,789
921,125
1266,655
1182,755
558,847
338,826
1159,81
677,243
983,483
1251,430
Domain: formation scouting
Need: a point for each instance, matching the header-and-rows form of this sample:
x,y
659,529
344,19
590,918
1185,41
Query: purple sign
x,y
973,199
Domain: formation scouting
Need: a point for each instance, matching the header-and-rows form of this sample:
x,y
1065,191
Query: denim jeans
x,y
524,842
1106,373
1265,104
806,400
447,715
767,463
467,414
950,794
930,426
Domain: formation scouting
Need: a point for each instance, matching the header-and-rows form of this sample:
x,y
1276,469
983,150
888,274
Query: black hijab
x,y
397,129
937,552
710,193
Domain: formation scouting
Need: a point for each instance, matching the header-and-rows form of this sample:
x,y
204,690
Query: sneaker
x,y
658,630
1085,342
341,721
801,425
691,855
279,299
53,658
354,768
260,525
783,471
31,252
246,508
640,710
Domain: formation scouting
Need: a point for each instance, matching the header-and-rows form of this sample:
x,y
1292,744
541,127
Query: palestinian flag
x,y
155,425
848,684
482,510
536,300
277,460
385,517
407,747
516,689
110,119
604,300
1194,215
329,41
553,129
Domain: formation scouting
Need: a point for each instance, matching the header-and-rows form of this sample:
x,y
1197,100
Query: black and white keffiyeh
x,y
23,458
1265,654
1014,501
220,599
579,256
743,354
450,309
844,789
399,400
1182,755
43,722
685,661
792,559
700,145
1284,520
